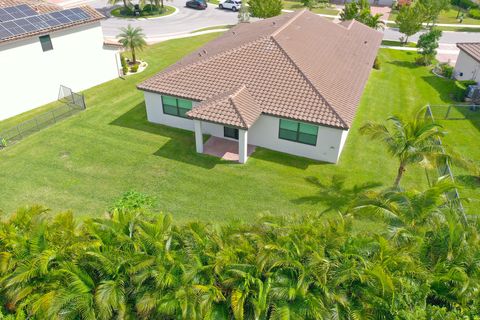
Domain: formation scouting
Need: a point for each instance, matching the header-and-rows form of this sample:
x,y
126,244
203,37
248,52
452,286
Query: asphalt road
x,y
184,21
449,37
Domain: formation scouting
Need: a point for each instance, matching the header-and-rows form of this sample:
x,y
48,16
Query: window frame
x,y
179,109
46,45
297,132
235,132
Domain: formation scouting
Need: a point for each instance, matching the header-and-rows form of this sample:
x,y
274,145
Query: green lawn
x,y
88,160
120,13
297,5
449,17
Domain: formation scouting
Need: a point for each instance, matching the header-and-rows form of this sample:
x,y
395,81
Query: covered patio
x,y
228,115
226,149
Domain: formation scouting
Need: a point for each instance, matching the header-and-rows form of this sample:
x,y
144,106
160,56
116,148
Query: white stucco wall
x,y
31,77
263,133
375,3
468,67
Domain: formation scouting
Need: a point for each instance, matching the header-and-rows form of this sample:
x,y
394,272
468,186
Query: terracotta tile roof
x,y
472,49
298,66
42,7
37,5
236,108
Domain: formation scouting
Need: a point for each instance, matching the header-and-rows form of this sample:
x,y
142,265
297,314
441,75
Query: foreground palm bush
x,y
425,264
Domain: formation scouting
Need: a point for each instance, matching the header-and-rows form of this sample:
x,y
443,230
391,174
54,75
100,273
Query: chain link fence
x,y
443,168
455,112
72,103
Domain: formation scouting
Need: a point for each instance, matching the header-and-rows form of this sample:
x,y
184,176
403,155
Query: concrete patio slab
x,y
225,149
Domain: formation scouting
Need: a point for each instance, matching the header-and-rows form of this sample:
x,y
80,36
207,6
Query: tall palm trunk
x,y
125,4
134,58
401,170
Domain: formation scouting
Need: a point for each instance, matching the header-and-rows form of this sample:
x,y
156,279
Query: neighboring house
x,y
43,46
383,3
468,62
290,83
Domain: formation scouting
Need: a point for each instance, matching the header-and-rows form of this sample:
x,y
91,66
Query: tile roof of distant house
x,y
235,108
472,49
42,7
298,66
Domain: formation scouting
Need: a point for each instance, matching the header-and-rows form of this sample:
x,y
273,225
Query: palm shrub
x,y
412,140
132,39
135,265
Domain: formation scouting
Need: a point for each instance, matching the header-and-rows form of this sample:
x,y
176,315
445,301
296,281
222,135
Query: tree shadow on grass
x,y
181,143
444,87
335,195
284,158
404,64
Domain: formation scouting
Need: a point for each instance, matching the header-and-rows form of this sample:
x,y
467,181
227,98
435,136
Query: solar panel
x,y
16,12
22,19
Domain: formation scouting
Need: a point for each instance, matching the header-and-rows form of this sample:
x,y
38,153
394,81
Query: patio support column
x,y
198,135
242,145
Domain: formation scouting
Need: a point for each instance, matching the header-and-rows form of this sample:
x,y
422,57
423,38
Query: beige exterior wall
x,y
467,68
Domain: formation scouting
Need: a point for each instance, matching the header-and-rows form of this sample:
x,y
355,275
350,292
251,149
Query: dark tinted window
x,y
46,43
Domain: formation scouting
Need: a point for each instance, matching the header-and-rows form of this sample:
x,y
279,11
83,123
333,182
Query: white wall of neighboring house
x,y
263,133
31,77
467,68
374,2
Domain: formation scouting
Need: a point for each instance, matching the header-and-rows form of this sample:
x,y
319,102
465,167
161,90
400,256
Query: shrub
x,y
474,13
134,68
445,70
124,64
133,200
465,4
265,8
377,64
460,90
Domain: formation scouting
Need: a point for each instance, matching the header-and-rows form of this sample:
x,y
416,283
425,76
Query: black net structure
x,y
71,103
66,95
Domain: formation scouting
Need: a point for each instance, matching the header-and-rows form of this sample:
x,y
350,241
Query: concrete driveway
x,y
182,22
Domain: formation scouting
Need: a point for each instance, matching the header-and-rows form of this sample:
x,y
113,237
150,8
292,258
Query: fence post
x,y
448,111
53,114
83,102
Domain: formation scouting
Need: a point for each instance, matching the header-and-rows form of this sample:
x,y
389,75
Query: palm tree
x,y
133,39
411,141
114,2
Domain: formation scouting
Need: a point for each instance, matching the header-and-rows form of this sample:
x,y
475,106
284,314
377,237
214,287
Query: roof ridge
x,y
196,63
309,82
237,111
289,22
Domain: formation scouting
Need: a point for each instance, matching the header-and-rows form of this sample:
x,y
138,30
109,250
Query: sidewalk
x,y
454,25
445,53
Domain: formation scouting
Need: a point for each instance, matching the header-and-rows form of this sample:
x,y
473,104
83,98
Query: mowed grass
x,y
85,162
298,5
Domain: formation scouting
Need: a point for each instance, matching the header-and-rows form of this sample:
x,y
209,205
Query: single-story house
x,y
43,46
468,62
382,3
291,83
